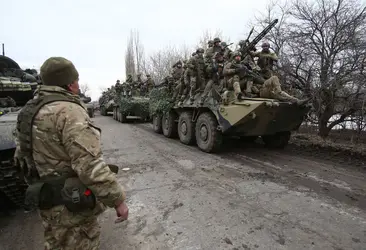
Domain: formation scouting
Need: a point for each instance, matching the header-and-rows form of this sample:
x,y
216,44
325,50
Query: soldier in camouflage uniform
x,y
227,52
215,75
210,43
211,51
266,59
177,75
197,73
149,83
67,148
118,88
128,85
234,74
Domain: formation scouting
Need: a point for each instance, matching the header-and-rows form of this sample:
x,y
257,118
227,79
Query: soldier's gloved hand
x,y
122,212
237,70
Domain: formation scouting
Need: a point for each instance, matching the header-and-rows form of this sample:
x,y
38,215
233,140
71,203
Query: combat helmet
x,y
223,44
266,44
236,53
200,50
217,40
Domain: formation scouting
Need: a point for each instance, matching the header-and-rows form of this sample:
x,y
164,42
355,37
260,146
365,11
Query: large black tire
x,y
209,138
11,186
169,125
157,124
277,141
186,128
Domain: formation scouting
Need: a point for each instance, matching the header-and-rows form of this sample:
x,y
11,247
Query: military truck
x,y
207,124
16,88
127,107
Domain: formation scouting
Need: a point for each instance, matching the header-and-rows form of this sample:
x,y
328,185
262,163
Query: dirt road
x,y
243,198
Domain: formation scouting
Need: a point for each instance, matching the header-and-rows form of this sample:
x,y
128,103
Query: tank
x,y
90,107
127,107
206,125
16,89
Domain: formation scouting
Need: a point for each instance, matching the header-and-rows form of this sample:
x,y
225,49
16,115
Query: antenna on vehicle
x,y
3,49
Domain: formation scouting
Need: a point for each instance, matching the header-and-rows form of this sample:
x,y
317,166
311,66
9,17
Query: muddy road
x,y
246,197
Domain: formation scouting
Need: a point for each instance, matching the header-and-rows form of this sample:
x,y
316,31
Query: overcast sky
x,y
93,34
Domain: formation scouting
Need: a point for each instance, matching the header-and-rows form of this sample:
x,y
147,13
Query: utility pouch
x,y
76,196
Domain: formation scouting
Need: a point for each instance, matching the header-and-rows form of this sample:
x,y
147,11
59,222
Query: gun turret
x,y
259,37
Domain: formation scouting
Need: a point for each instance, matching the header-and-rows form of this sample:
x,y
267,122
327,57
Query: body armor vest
x,y
25,124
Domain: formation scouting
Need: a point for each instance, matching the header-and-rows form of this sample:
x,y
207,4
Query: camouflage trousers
x,y
64,230
272,89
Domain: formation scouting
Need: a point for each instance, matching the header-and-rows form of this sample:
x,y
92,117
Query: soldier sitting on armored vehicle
x,y
197,72
266,60
177,73
212,50
118,88
214,71
234,74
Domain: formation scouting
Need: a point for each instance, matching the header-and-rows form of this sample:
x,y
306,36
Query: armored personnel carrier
x,y
207,124
127,106
16,88
107,102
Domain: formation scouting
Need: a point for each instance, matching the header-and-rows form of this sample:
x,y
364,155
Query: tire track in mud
x,y
274,167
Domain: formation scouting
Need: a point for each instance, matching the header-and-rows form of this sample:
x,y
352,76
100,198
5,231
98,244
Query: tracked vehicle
x,y
127,107
16,88
207,124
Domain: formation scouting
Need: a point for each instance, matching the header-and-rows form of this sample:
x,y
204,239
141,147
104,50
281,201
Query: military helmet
x,y
148,75
194,53
210,42
200,50
266,44
242,42
223,44
216,40
118,81
236,53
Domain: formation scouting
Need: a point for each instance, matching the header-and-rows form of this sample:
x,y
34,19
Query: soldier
x,y
211,51
128,85
149,83
233,71
119,88
197,73
266,59
177,75
215,73
227,52
65,161
249,62
210,43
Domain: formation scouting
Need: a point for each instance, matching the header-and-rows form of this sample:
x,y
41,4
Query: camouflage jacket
x,y
230,68
211,51
68,142
198,65
177,73
265,60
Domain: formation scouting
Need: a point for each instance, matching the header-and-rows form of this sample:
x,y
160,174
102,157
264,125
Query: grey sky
x,y
93,34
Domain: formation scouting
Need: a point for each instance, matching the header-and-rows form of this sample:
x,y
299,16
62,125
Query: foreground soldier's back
x,y
67,148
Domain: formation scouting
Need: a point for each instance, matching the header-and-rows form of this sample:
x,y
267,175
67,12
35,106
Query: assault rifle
x,y
227,45
255,41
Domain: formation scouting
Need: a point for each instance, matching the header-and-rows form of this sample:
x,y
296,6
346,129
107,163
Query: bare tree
x,y
323,53
130,57
208,35
84,88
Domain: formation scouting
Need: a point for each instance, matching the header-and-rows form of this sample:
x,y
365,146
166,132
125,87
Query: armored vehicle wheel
x,y
186,128
208,138
157,126
279,140
91,113
169,125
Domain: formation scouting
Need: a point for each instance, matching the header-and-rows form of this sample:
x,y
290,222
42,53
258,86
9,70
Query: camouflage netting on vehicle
x,y
159,101
134,105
